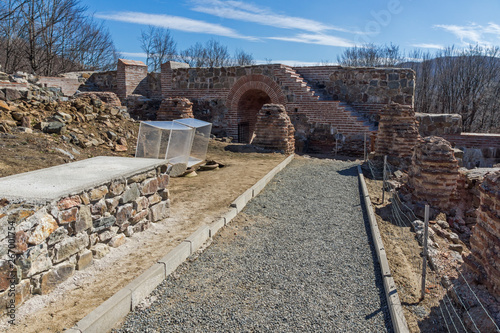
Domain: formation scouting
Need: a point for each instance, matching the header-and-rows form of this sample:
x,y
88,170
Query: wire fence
x,y
453,308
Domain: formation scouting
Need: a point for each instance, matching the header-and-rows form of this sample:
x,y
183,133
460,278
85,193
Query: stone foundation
x,y
45,242
433,173
175,108
485,239
397,133
274,130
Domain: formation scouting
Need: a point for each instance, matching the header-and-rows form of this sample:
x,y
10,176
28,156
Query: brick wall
x,y
131,78
68,85
485,240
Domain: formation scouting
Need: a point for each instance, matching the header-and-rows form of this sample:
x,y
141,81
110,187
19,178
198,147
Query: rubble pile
x,y
88,120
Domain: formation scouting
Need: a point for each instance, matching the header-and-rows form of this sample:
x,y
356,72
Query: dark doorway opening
x,y
249,105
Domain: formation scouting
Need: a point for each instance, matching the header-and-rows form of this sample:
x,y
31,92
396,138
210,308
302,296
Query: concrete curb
x,y
115,308
391,293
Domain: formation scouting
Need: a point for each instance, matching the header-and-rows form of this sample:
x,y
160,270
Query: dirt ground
x,y
405,260
195,201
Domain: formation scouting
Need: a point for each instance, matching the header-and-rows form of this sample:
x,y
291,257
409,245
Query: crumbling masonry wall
x,y
175,108
434,173
397,133
485,239
274,130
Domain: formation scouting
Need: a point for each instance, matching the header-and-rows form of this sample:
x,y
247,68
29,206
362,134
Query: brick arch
x,y
241,88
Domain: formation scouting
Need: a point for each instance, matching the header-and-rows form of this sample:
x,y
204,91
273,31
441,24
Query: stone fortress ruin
x,y
308,108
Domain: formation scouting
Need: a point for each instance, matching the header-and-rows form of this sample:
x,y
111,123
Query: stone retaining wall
x,y
47,243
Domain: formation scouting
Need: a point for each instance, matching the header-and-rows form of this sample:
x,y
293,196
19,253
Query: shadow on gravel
x,y
376,266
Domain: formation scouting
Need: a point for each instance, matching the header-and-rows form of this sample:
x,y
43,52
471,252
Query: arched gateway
x,y
245,99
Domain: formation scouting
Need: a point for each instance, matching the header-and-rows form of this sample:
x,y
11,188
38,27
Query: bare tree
x,y
159,47
212,54
47,37
241,58
217,54
195,55
371,55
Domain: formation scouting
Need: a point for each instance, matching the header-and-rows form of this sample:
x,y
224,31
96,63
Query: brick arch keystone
x,y
244,84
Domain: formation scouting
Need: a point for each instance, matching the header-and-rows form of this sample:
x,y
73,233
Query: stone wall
x,y
101,81
49,242
397,133
485,240
439,124
274,130
363,85
433,174
131,78
175,108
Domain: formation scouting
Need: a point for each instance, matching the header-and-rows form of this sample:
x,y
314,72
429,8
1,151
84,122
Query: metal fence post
x,y
424,265
383,182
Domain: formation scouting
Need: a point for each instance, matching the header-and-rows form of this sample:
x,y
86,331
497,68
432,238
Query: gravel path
x,y
298,259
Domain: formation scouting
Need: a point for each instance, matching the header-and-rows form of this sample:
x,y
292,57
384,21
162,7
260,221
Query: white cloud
x,y
238,10
173,23
134,54
293,63
474,33
428,46
320,39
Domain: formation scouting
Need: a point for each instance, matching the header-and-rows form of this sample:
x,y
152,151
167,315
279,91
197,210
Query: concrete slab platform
x,y
45,185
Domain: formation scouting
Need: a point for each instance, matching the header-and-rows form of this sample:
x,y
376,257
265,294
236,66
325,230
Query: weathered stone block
x,y
84,260
123,213
68,216
55,276
117,240
141,203
34,261
83,220
99,250
116,188
107,234
154,199
85,198
69,202
98,193
20,244
70,246
57,236
45,225
99,208
103,223
159,211
139,216
163,181
149,186
130,194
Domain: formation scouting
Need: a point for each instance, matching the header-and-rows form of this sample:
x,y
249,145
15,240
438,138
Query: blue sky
x,y
302,32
